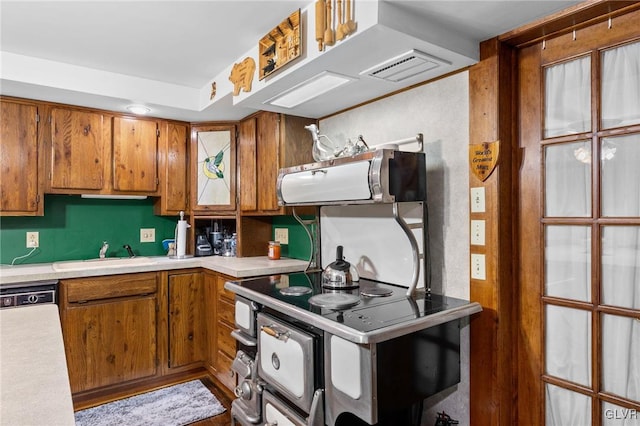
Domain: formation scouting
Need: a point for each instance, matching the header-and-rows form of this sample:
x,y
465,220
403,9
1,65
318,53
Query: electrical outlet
x,y
282,235
478,268
33,239
477,232
147,235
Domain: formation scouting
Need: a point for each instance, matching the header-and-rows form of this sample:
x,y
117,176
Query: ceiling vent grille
x,y
404,66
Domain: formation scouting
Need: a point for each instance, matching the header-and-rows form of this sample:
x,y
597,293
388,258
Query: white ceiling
x,y
179,47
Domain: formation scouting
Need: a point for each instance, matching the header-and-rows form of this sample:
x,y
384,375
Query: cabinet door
x,y
225,343
173,172
213,169
268,160
77,150
19,163
247,181
110,343
186,319
267,142
135,147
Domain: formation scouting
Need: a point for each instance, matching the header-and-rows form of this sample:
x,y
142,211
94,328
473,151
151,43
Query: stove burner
x,y
296,290
334,301
376,292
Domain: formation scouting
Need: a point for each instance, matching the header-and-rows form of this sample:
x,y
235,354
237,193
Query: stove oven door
x,y
278,413
286,360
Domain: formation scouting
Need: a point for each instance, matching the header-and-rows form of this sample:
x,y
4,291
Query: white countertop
x,y
238,267
34,382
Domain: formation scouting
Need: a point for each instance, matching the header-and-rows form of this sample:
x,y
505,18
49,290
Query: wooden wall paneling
x,y
491,83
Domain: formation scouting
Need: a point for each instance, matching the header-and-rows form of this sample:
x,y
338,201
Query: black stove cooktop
x,y
376,305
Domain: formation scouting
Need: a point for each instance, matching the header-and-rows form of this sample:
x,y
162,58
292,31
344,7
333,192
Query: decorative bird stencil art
x,y
213,167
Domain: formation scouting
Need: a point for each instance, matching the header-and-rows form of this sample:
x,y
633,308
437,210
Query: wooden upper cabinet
x,y
247,164
20,163
213,169
173,169
267,142
135,147
79,149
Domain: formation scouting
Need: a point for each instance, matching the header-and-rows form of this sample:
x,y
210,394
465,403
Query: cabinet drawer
x,y
223,293
226,311
226,343
96,288
225,374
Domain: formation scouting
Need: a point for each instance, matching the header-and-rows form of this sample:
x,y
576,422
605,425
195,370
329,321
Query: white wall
x,y
439,110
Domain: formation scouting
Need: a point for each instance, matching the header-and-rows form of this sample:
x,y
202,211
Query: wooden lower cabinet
x,y
220,324
186,319
109,329
130,332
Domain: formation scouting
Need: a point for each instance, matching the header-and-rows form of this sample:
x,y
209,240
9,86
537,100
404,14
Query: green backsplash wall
x,y
298,247
74,228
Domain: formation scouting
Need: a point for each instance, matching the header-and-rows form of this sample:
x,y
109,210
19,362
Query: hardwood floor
x,y
223,419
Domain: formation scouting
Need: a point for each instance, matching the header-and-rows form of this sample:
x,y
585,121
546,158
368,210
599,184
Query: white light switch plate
x,y
147,235
477,200
477,232
478,267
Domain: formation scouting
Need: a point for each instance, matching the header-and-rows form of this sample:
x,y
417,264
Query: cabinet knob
x,y
190,337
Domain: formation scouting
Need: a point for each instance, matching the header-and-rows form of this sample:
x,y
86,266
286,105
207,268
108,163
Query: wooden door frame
x,y
502,376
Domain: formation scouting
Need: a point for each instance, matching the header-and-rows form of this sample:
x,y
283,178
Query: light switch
x,y
477,200
478,267
477,232
282,235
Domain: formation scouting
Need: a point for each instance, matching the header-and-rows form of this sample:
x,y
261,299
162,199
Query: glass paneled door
x,y
586,283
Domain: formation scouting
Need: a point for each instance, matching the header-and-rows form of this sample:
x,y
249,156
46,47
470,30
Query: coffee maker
x,y
203,247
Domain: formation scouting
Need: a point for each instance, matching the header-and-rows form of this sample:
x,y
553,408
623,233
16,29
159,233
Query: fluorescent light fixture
x,y
114,197
138,109
307,90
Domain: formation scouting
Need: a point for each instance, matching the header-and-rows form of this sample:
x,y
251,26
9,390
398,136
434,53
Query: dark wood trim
x,y
492,92
575,17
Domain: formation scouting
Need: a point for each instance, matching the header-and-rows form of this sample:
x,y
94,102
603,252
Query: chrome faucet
x,y
129,251
103,249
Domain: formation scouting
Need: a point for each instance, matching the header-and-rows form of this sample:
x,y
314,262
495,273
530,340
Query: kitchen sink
x,y
110,262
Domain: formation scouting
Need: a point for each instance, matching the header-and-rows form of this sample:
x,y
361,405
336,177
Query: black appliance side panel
x,y
408,176
416,366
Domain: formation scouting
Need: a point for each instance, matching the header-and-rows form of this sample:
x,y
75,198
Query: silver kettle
x,y
340,273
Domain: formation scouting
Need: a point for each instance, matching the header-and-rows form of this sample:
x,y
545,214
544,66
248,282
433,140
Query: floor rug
x,y
172,406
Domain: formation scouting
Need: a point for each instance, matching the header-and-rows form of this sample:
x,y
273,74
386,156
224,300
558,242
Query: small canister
x,y
274,250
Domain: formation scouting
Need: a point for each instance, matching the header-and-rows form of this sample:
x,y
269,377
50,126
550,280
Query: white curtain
x,y
621,86
568,98
568,188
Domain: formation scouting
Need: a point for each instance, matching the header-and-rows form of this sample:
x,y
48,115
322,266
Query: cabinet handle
x,y
190,337
278,334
